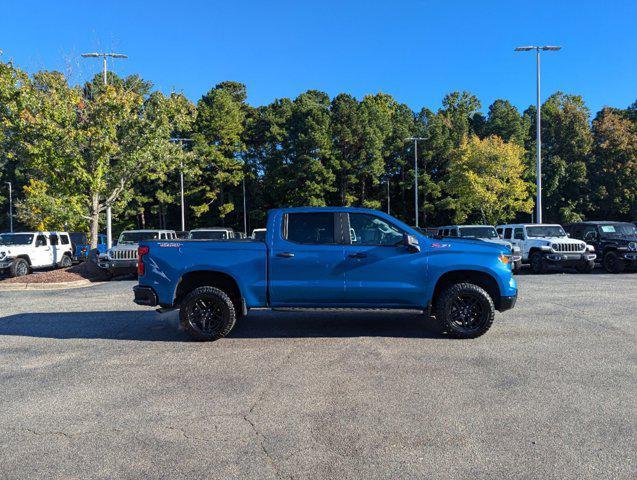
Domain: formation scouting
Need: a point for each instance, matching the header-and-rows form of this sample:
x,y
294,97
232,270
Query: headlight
x,y
3,254
632,246
590,248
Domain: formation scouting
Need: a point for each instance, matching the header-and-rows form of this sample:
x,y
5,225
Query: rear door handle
x,y
357,255
285,254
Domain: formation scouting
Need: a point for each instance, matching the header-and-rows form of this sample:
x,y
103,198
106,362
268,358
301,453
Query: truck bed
x,y
245,260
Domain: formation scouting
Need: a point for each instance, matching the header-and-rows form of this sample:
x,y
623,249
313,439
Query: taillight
x,y
141,251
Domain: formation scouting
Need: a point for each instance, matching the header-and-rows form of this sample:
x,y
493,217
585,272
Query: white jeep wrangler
x,y
25,251
544,246
122,258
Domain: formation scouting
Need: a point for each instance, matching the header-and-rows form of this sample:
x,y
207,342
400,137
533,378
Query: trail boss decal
x,y
440,245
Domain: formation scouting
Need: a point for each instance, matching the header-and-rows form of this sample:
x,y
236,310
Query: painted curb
x,y
48,286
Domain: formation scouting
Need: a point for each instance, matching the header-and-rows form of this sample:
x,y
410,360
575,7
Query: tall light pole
x,y
104,56
538,136
245,213
415,140
181,181
10,208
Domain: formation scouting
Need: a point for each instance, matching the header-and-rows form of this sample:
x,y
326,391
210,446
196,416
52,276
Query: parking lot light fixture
x,y
538,135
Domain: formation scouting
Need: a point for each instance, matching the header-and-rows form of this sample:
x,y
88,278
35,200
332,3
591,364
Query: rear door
x,y
306,261
379,270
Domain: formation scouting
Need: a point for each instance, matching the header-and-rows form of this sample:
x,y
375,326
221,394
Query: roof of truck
x,y
464,226
149,230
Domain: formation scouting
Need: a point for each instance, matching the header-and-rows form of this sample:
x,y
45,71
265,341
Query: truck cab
x,y
25,251
546,246
328,258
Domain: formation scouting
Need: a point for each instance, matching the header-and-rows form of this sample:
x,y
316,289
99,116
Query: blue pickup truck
x,y
328,258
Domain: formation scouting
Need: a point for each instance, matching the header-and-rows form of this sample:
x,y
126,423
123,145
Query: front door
x,y
379,269
41,255
306,263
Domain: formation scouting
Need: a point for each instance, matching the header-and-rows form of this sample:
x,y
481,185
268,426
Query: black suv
x,y
615,242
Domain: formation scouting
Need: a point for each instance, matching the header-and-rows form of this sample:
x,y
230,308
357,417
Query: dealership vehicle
x,y
258,234
212,233
615,242
81,245
486,233
328,258
25,251
545,246
122,258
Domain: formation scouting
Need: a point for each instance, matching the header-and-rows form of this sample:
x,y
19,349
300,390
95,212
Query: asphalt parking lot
x,y
95,387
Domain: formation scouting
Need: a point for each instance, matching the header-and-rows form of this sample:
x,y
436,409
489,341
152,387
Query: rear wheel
x,y
207,314
66,262
612,263
537,263
465,310
19,268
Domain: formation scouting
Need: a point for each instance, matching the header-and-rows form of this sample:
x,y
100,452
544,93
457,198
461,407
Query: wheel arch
x,y
26,257
477,277
212,278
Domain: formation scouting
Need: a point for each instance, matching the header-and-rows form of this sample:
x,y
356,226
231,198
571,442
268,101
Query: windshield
x,y
618,229
545,231
478,232
209,235
16,239
136,237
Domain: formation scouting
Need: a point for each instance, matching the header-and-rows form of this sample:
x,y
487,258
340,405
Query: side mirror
x,y
411,243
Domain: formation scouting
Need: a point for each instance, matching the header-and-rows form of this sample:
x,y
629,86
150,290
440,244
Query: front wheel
x,y
465,310
207,314
586,267
612,263
517,267
537,263
19,268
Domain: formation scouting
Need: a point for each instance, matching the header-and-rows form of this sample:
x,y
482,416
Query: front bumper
x,y
630,258
145,296
118,265
507,303
5,263
569,259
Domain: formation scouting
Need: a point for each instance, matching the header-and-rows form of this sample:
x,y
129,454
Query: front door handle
x,y
357,255
285,254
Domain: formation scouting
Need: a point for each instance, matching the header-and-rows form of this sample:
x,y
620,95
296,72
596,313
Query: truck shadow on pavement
x,y
153,327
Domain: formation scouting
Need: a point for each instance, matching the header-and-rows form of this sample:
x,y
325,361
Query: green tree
x,y
486,181
218,146
505,121
614,172
90,147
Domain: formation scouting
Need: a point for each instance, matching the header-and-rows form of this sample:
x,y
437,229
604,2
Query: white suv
x,y
122,258
25,251
543,246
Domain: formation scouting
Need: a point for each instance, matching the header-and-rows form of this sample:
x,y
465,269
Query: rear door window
x,y
508,232
53,238
310,228
519,234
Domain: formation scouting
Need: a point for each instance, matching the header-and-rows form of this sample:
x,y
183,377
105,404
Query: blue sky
x,y
415,50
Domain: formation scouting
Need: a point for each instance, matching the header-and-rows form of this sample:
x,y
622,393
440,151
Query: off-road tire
x,y
586,267
208,302
537,263
517,267
446,310
66,262
19,268
612,263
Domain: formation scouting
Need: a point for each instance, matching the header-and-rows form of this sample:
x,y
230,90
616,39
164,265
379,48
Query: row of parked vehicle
x,y
548,246
541,246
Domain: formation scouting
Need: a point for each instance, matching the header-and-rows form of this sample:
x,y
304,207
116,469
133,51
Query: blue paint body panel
x,y
82,250
281,273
